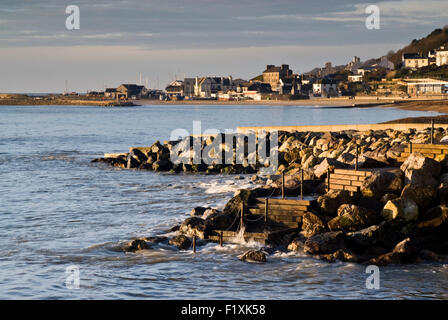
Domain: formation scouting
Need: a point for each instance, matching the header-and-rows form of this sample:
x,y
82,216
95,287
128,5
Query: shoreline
x,y
428,105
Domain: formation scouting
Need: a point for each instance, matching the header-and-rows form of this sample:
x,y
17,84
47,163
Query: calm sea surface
x,y
58,210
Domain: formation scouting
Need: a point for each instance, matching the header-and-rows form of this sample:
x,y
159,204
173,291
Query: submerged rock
x,y
341,255
297,244
181,242
256,256
193,226
136,245
198,211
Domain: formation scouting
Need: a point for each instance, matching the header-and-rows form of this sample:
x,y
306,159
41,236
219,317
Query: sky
x,y
168,39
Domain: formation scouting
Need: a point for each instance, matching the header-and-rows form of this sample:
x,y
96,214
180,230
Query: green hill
x,y
433,41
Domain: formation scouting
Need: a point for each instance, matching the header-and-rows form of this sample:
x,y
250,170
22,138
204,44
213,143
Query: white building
x,y
428,88
325,88
355,78
442,56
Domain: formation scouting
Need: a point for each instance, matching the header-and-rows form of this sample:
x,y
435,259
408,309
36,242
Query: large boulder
x,y
347,158
312,224
181,242
422,195
162,165
290,144
198,211
137,245
382,182
404,252
365,237
320,171
326,141
377,156
156,147
194,226
400,209
420,170
139,153
434,218
332,200
254,256
132,162
352,218
293,155
218,220
442,193
341,255
233,206
324,243
297,244
209,213
309,162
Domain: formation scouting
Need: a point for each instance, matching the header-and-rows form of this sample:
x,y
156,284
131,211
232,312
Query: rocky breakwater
x,y
208,156
399,214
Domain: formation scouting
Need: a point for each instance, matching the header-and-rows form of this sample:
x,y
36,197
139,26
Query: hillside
x,y
433,41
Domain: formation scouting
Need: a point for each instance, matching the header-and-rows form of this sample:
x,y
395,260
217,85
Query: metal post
x,y
432,131
266,205
283,185
357,155
242,216
301,184
221,236
194,244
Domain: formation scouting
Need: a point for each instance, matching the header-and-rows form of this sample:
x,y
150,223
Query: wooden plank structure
x,y
347,179
273,215
279,212
229,236
433,151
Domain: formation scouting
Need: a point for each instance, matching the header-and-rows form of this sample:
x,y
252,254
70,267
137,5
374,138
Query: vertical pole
x,y
357,155
266,205
242,216
301,184
194,244
432,131
328,179
221,238
283,185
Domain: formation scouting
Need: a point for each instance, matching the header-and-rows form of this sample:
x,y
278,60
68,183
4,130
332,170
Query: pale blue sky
x,y
172,38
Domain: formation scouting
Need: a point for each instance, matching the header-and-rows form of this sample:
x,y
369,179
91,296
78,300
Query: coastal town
x,y
418,71
373,78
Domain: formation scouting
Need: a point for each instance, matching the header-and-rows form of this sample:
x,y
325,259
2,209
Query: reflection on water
x,y
57,209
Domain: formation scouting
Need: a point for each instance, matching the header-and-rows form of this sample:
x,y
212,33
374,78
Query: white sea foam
x,y
227,186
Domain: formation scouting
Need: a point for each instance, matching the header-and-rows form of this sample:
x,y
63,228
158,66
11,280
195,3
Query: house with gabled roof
x,y
131,91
